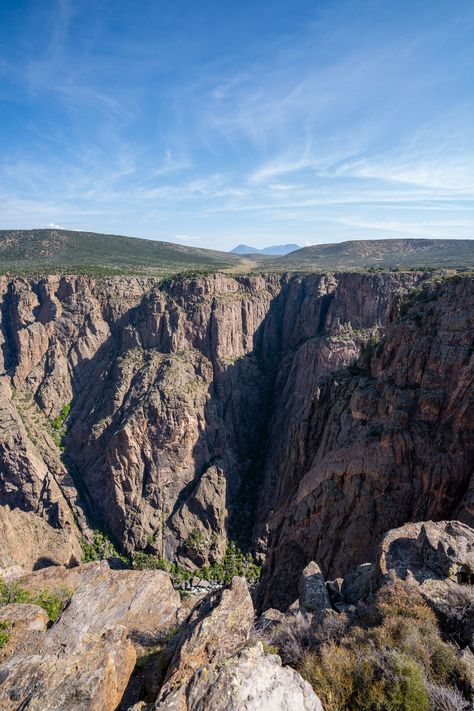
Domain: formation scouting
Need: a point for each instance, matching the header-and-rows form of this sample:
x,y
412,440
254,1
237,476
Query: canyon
x,y
300,416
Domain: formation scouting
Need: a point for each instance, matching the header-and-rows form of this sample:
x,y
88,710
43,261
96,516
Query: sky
x,y
212,123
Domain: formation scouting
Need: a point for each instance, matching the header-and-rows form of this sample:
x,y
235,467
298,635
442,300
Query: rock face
x,y
388,442
170,387
86,658
215,404
217,628
250,681
28,542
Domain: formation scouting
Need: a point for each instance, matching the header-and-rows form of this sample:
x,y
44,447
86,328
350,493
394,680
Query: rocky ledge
x,y
126,641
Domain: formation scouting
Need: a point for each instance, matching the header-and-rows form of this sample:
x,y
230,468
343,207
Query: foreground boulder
x,y
88,655
438,558
249,681
442,550
214,669
217,628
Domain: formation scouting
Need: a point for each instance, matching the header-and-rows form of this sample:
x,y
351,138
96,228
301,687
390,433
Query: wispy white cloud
x,y
338,128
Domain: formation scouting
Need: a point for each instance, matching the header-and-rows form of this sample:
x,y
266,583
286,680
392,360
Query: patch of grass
x,y
53,601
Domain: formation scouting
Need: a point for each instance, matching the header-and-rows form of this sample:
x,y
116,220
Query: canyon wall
x,y
213,407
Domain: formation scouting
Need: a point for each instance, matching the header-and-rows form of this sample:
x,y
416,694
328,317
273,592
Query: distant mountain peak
x,y
274,250
244,249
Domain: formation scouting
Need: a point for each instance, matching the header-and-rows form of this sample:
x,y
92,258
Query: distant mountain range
x,y
273,251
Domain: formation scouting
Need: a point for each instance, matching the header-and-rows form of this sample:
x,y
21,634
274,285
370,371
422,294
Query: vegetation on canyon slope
x,y
234,562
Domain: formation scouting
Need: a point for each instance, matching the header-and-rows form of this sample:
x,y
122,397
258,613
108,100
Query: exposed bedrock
x,y
217,406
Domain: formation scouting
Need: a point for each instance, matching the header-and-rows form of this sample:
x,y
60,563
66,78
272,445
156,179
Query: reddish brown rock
x,y
389,444
86,658
192,399
28,542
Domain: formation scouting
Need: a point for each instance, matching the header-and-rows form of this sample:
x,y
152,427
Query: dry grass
x,y
390,657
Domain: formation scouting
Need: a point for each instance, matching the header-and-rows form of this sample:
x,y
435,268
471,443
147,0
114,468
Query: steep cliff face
x,y
165,394
374,449
218,402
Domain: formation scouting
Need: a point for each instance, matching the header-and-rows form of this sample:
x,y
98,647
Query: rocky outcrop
x,y
312,592
250,680
213,668
86,658
89,677
216,629
438,559
442,550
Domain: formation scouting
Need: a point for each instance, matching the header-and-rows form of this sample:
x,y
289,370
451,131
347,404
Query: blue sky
x,y
213,123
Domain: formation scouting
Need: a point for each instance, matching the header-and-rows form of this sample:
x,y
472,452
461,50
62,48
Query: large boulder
x,y
142,601
91,676
218,627
88,655
313,594
249,681
438,558
442,550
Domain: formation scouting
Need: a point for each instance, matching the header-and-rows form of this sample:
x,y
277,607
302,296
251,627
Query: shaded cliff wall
x,y
375,446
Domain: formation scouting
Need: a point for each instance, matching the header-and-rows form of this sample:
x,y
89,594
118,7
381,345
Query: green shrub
x,y
234,562
53,601
195,540
4,633
100,548
58,426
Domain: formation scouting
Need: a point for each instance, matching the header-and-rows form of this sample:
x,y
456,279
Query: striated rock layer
x,y
390,443
214,406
